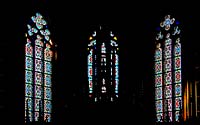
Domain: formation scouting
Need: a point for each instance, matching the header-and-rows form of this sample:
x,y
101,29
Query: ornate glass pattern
x,y
115,61
38,69
168,79
103,66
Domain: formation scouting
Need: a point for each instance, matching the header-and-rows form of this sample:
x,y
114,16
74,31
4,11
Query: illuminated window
x,y
103,66
168,80
38,70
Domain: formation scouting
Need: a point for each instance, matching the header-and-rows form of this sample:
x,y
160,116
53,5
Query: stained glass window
x,y
168,83
91,59
114,63
103,66
38,70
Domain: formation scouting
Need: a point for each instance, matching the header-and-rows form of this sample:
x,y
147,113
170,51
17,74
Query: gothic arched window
x,y
103,65
38,70
168,78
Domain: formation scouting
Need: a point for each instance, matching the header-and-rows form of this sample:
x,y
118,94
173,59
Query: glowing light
x,y
177,22
168,71
51,42
38,61
56,55
93,71
95,99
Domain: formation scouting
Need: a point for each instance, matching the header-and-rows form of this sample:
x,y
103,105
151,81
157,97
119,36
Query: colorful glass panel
x,y
38,79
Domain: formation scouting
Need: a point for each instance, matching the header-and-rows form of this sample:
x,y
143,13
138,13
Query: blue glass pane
x,y
47,106
47,80
47,93
29,63
29,90
28,76
48,67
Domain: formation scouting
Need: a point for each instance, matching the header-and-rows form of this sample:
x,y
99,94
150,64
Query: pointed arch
x,y
168,78
39,53
103,65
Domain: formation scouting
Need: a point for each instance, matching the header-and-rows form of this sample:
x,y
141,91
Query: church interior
x,y
78,95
